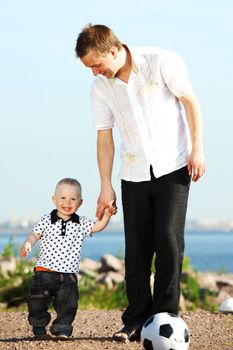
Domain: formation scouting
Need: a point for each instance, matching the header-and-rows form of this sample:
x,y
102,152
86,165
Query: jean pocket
x,y
73,278
38,299
39,292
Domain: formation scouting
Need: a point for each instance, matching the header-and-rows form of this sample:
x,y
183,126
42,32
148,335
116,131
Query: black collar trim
x,y
54,217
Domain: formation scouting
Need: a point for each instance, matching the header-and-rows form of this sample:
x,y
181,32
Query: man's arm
x,y
196,160
105,157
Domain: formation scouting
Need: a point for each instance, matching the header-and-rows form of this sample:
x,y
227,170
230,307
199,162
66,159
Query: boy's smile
x,y
67,200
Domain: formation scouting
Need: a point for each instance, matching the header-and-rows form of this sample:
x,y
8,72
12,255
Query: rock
x,y
207,280
222,295
3,306
111,263
110,278
106,279
7,266
216,282
116,277
88,264
226,306
225,284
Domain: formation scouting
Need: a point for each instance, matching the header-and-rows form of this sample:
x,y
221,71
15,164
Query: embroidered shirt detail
x,y
147,112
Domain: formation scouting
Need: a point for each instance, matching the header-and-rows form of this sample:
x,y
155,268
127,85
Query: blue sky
x,y
46,123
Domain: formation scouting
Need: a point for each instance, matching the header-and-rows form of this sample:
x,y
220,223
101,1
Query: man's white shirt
x,y
147,112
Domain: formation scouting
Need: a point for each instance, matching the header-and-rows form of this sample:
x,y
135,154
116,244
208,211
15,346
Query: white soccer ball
x,y
165,331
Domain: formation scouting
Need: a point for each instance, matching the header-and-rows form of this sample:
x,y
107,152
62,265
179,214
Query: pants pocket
x,y
38,299
73,278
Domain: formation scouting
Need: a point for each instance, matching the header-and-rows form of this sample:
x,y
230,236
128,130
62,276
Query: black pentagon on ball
x,y
147,344
173,315
165,330
149,321
186,335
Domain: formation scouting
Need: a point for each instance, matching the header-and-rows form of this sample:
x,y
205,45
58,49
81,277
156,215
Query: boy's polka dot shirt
x,y
61,241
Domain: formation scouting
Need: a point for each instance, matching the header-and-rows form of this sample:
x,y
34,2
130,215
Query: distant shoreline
x,y
21,231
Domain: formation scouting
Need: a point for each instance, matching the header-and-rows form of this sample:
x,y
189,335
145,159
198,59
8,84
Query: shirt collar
x,y
54,217
137,61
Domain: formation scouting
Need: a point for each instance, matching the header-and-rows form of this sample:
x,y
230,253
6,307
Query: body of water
x,y
208,251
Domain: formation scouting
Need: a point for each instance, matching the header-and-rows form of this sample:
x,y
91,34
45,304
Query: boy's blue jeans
x,y
62,290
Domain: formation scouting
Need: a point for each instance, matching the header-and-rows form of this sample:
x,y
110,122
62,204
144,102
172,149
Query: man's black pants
x,y
154,218
56,287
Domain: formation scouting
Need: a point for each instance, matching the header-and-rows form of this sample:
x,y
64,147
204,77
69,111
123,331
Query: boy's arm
x,y
31,239
101,224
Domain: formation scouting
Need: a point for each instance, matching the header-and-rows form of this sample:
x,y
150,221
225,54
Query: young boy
x,y
61,234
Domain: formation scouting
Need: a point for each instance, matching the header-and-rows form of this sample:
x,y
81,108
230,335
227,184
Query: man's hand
x,y
196,160
107,199
196,165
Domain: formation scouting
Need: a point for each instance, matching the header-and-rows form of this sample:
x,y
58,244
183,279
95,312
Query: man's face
x,y
99,64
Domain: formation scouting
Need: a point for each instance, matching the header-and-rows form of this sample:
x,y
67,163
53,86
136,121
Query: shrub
x,y
98,296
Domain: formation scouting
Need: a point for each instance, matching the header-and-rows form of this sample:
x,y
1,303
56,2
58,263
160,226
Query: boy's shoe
x,y
39,332
61,336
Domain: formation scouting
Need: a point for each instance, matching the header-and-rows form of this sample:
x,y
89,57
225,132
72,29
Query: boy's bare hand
x,y
107,199
25,250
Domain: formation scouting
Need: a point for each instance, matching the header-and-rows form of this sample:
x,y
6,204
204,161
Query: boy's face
x,y
67,200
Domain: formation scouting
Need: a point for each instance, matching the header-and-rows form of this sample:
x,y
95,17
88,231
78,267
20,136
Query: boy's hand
x,y
108,212
106,199
25,250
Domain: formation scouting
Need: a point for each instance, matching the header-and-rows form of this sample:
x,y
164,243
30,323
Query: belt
x,y
41,268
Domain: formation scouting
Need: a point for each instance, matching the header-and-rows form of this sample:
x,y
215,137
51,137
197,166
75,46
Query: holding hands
x,y
107,199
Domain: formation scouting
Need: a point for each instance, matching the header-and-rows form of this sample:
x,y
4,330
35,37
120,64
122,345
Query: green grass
x,y
92,294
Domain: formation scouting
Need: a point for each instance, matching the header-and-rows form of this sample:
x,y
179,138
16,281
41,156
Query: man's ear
x,y
114,51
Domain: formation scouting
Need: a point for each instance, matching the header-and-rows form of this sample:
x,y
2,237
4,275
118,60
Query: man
x,y
141,90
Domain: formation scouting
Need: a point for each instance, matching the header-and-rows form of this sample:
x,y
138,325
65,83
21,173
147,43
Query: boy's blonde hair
x,y
70,181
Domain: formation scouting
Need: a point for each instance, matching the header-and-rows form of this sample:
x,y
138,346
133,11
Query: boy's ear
x,y
53,199
81,202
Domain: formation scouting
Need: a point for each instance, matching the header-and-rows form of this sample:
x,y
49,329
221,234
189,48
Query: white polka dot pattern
x,y
61,251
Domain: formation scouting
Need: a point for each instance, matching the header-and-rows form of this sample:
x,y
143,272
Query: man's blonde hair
x,y
96,37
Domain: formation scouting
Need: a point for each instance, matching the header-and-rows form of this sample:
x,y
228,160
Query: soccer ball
x,y
165,331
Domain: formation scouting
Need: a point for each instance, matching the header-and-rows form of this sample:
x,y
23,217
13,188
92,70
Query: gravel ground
x,y
93,330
